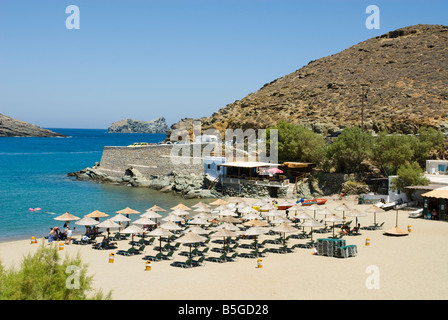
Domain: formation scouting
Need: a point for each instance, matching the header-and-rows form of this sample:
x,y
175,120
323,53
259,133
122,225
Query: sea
x,y
33,174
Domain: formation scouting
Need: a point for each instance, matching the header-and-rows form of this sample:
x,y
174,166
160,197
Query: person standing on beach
x,y
68,235
50,236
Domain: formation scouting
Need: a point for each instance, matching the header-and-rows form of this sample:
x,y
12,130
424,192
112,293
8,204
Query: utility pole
x,y
364,90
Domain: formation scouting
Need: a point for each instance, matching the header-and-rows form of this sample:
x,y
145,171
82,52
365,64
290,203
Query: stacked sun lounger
x,y
347,251
329,247
335,248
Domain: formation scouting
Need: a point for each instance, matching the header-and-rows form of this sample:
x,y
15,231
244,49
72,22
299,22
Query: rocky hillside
x,y
404,71
10,127
136,126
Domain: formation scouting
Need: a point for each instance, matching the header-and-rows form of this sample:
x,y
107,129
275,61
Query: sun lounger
x,y
169,256
220,259
130,252
233,257
199,262
157,257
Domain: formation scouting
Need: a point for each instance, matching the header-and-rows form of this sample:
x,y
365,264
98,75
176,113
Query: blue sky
x,y
145,59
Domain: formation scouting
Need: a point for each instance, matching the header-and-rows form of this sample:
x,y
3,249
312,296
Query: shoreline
x,y
410,267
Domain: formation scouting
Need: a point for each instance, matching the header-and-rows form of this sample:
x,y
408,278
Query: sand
x,y
407,267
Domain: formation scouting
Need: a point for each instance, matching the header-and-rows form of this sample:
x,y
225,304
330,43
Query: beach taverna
x,y
435,200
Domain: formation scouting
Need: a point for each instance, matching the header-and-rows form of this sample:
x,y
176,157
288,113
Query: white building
x,y
213,166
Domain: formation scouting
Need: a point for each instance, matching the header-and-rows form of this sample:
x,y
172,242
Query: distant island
x,y
137,126
10,127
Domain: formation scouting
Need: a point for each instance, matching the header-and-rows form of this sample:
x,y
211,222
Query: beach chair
x,y
130,252
204,252
263,253
199,262
220,259
150,241
233,257
169,255
157,257
187,264
92,239
141,249
176,246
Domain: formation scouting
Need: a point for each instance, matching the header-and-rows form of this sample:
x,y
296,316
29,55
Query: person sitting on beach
x,y
345,230
356,229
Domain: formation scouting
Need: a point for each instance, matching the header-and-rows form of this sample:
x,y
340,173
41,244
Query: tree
x,y
296,143
409,174
392,151
42,277
428,145
349,150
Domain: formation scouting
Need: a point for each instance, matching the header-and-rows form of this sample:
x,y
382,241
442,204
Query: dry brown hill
x,y
404,70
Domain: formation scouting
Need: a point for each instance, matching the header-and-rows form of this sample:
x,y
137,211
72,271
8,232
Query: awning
x,y
243,164
441,193
298,164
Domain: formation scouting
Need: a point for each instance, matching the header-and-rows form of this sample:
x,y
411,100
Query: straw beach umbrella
x,y
156,208
96,214
190,238
355,213
374,209
256,231
144,221
120,218
160,232
225,233
151,215
198,230
170,226
228,226
344,208
181,206
333,218
200,204
313,224
86,221
230,219
284,228
255,223
67,217
128,210
133,229
107,224
314,208
173,218
218,202
396,231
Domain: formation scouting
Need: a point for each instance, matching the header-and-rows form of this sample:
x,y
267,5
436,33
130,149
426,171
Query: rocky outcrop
x,y
404,70
188,186
10,127
136,126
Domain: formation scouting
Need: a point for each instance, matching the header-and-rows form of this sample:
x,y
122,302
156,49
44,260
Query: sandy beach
x,y
407,267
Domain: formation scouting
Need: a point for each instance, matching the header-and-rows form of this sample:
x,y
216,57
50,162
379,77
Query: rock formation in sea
x,y
10,127
402,75
137,126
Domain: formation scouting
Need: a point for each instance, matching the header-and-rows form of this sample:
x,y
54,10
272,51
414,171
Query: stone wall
x,y
148,160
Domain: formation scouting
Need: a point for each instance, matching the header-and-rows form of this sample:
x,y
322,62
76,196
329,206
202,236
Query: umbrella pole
x,y
396,219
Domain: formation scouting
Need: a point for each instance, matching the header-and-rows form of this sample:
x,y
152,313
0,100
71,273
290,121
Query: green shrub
x,y
42,276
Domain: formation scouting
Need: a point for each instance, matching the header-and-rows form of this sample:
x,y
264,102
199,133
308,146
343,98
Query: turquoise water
x,y
33,173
